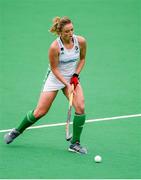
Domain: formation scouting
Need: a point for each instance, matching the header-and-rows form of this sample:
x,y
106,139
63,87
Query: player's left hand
x,y
74,80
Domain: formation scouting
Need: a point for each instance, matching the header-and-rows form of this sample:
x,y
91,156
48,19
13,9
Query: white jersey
x,y
68,59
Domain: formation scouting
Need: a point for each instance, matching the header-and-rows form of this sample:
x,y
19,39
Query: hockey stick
x,y
68,135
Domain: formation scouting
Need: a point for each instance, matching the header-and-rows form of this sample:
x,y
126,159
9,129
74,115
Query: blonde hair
x,y
58,24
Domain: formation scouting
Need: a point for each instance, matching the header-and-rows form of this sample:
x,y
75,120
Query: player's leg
x,y
79,118
44,104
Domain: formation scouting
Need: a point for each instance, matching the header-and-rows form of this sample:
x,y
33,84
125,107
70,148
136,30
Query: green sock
x,y
78,123
27,121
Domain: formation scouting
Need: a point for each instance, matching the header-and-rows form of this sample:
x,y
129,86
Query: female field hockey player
x,y
67,58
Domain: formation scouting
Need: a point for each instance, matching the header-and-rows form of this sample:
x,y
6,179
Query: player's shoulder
x,y
81,40
54,46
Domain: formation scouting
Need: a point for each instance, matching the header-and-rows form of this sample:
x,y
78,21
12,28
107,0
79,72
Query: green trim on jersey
x,y
46,76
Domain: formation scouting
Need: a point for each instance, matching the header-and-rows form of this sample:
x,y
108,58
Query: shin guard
x,y
27,121
78,123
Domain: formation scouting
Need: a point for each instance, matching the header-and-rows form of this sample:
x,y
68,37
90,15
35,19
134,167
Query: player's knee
x,y
80,109
39,112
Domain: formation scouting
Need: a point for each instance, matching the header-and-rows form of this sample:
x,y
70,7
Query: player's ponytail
x,y
55,27
58,24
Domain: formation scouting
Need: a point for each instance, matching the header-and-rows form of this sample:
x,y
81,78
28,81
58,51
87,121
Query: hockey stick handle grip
x,y
71,96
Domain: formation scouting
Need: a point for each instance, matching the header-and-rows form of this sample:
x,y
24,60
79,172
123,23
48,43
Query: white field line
x,y
87,121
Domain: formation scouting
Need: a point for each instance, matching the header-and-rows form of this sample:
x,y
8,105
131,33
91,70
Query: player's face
x,y
67,31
